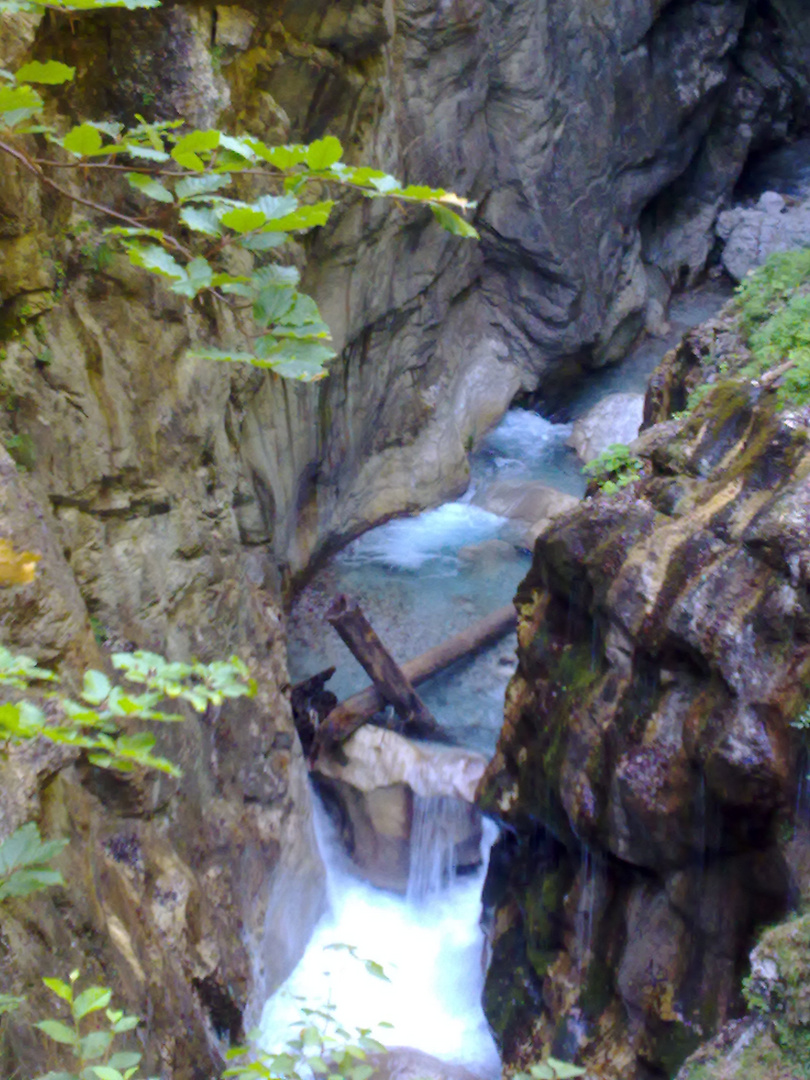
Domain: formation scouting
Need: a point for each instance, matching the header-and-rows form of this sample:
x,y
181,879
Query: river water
x,y
419,580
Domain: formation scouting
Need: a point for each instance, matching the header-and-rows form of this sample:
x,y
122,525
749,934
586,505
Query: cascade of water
x,y
437,823
431,952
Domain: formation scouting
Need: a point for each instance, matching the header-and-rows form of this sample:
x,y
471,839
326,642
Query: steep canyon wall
x,y
173,500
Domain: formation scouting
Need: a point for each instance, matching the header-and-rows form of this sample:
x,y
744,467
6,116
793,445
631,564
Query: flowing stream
x,y
419,580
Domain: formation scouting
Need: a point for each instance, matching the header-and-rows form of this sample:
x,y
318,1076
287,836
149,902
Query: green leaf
x,y
8,1003
187,149
51,73
106,1072
272,303
58,1031
62,989
95,1045
96,687
453,223
126,1023
83,140
375,969
201,219
90,1000
194,187
25,882
125,1059
563,1070
264,241
324,153
199,276
243,219
232,355
150,187
18,103
282,157
157,259
305,217
293,359
277,275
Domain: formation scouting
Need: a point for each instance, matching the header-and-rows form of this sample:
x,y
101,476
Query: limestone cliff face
x,y
646,759
600,145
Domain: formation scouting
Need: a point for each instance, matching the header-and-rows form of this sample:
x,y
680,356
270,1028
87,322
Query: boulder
x,y
615,419
532,504
393,796
752,234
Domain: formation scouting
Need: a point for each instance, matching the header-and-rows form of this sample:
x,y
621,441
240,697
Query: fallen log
x,y
352,713
389,680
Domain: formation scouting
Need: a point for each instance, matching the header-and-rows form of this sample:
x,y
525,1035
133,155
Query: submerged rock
x,y
615,419
530,503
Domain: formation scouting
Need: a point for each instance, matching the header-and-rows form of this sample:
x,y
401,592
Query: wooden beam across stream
x,y
352,713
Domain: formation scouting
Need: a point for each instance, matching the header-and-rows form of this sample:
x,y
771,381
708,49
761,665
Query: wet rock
x,y
751,235
615,419
405,1063
377,794
530,503
662,644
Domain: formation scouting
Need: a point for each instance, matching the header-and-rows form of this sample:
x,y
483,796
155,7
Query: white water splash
x,y
431,952
409,543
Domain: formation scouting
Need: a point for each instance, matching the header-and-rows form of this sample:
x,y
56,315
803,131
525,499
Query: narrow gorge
x,y
631,161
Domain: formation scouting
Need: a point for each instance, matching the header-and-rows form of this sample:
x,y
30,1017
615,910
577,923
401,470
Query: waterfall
x,y
431,952
437,823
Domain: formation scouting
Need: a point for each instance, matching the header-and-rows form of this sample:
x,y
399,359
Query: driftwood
x,y
352,713
391,682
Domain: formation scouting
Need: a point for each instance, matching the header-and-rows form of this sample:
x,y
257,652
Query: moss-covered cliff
x,y
647,765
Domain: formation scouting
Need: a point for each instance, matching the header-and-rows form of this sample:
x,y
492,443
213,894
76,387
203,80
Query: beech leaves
x,y
192,218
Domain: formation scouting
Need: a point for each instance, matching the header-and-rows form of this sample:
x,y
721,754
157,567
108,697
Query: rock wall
x,y
600,145
646,769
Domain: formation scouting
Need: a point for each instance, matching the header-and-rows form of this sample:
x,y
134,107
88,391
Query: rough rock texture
x,y
773,1042
193,899
529,503
615,419
752,234
646,758
386,788
600,145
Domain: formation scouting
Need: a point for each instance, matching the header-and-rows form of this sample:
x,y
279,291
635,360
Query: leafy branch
x,y
186,181
93,723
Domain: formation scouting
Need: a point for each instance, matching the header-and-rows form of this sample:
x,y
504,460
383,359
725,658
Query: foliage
x,y
93,722
615,468
768,288
191,219
550,1069
90,1042
23,859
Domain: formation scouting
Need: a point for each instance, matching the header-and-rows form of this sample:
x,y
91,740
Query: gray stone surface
x,y
752,234
615,419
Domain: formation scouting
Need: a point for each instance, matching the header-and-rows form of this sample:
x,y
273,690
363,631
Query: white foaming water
x,y
522,435
431,952
409,543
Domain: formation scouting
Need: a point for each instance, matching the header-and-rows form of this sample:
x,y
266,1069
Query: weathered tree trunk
x,y
352,713
383,670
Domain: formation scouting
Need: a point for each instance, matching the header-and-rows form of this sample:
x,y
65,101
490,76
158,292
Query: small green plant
x,y
88,1037
93,723
615,468
762,293
23,862
550,1069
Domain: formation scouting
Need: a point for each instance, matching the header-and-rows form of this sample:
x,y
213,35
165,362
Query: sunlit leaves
x,y
82,140
149,187
52,73
189,238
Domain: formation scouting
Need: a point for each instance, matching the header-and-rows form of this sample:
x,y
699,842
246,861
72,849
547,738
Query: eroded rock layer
x,y
646,759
